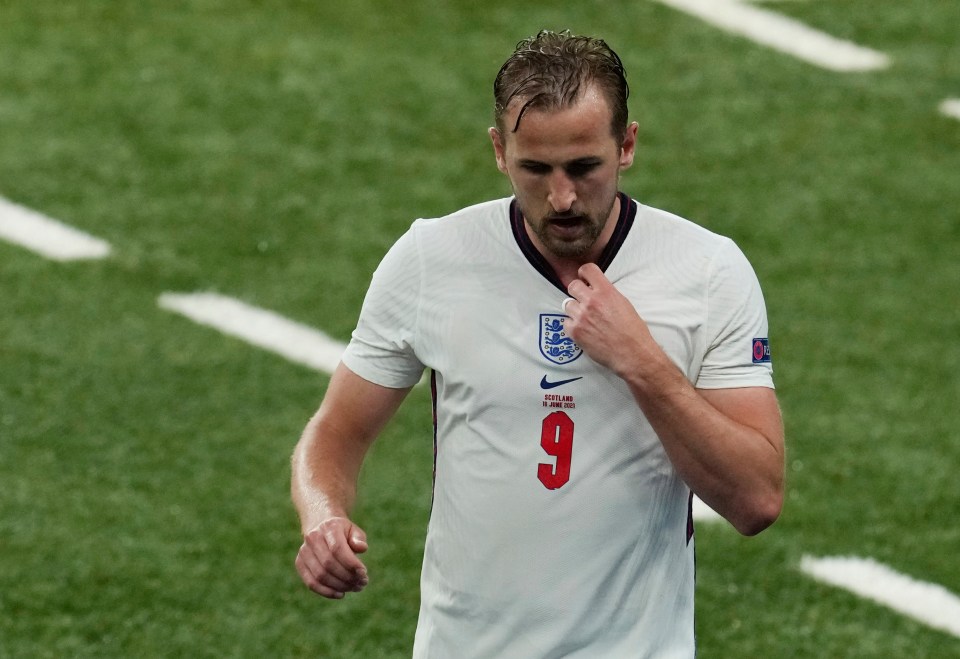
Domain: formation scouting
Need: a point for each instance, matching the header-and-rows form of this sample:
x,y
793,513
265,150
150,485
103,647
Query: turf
x,y
272,150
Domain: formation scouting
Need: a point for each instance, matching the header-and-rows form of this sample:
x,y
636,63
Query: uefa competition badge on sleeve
x,y
555,345
761,351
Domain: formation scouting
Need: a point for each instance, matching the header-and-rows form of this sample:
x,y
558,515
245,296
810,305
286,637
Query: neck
x,y
566,267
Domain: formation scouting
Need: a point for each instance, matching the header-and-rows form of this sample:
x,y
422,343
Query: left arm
x,y
726,444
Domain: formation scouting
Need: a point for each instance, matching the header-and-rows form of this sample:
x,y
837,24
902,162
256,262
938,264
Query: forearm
x,y
323,477
326,462
726,444
735,466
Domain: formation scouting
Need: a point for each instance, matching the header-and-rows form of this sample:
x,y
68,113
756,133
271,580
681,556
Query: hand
x,y
327,560
605,324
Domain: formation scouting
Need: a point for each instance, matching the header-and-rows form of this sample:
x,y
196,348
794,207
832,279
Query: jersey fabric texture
x,y
559,527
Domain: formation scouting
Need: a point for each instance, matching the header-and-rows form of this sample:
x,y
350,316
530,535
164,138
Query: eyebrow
x,y
585,161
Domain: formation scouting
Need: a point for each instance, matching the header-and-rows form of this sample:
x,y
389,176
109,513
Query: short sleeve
x,y
383,347
737,344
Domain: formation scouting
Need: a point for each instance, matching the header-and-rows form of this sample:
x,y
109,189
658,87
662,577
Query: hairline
x,y
529,102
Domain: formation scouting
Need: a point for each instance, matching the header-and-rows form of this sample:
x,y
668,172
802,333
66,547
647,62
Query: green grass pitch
x,y
272,150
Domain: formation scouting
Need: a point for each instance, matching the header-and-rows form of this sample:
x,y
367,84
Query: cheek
x,y
528,186
609,180
596,187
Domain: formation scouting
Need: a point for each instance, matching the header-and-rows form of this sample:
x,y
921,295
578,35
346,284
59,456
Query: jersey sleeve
x,y
382,349
737,352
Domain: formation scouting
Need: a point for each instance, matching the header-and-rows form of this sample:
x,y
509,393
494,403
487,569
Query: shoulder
x,y
468,231
470,217
426,232
662,226
675,246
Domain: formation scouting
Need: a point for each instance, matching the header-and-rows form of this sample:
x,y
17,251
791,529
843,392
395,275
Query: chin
x,y
568,250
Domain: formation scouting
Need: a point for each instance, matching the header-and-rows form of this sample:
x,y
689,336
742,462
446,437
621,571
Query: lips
x,y
567,225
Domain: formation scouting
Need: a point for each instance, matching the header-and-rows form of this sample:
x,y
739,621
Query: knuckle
x,y
328,563
313,539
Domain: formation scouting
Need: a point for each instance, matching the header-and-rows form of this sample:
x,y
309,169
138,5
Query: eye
x,y
581,169
535,167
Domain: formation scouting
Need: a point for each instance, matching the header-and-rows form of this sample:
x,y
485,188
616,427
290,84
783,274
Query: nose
x,y
562,192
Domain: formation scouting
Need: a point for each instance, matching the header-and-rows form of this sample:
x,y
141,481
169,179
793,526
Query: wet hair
x,y
551,70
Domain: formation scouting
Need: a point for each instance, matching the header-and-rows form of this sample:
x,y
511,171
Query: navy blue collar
x,y
628,212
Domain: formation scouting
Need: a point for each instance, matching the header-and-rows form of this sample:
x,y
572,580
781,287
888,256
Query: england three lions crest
x,y
555,345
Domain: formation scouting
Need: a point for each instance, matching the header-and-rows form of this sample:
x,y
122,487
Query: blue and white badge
x,y
555,345
761,351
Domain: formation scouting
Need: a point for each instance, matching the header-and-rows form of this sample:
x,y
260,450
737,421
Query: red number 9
x,y
556,438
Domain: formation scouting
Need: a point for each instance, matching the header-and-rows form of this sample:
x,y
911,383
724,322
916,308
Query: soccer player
x,y
594,362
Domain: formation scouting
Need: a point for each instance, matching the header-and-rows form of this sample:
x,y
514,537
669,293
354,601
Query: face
x,y
564,166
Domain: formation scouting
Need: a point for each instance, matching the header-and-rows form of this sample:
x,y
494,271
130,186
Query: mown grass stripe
x,y
951,108
265,329
930,604
783,34
47,237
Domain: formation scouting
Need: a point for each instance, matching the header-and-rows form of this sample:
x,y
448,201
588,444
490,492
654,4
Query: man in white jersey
x,y
594,362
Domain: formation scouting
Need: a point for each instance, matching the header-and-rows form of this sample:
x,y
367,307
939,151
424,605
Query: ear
x,y
499,150
629,146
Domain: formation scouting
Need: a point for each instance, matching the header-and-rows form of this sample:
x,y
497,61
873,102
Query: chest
x,y
497,337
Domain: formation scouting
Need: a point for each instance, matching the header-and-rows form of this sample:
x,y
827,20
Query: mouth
x,y
567,221
567,225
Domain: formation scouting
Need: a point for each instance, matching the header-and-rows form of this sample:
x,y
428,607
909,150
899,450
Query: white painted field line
x,y
265,329
951,107
47,237
930,604
784,34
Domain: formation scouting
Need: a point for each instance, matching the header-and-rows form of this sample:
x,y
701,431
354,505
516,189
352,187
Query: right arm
x,y
326,465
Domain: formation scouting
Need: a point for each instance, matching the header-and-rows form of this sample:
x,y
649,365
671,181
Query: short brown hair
x,y
552,69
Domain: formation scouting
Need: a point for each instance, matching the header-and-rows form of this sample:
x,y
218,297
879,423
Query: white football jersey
x,y
559,527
